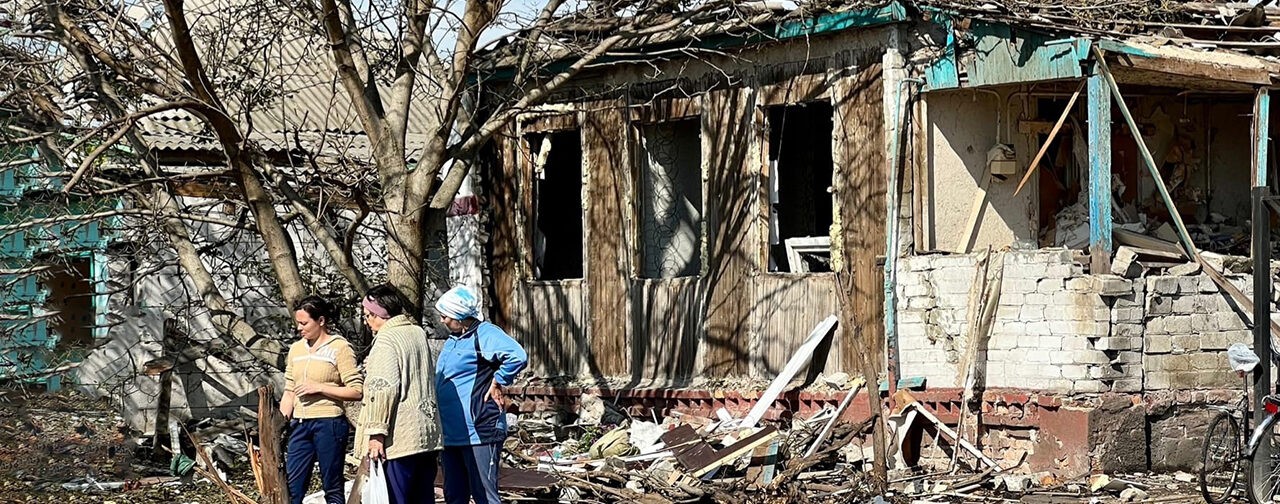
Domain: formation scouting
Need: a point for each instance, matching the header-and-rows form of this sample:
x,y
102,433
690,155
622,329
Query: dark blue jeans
x,y
412,479
471,472
314,440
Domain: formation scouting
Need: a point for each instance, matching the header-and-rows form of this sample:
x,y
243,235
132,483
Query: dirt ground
x,y
48,440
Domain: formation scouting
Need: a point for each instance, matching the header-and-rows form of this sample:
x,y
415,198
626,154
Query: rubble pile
x,y
603,455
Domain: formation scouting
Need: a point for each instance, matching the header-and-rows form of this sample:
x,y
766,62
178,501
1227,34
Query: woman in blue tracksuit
x,y
477,361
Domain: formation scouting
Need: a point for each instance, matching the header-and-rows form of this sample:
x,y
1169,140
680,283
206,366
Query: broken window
x,y
670,199
557,204
800,202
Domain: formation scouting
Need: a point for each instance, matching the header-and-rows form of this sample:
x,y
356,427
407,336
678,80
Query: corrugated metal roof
x,y
310,109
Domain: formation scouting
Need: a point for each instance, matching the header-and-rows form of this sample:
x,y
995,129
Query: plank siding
x,y
551,326
667,316
608,252
502,186
860,195
732,238
787,308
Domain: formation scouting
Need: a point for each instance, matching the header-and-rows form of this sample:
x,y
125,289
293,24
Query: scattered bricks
x,y
1159,306
1162,285
1090,357
1037,298
1111,285
1183,343
1089,387
1031,312
1229,321
1158,344
1079,284
1127,330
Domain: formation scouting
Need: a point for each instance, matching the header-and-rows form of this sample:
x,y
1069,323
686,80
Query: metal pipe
x,y
891,238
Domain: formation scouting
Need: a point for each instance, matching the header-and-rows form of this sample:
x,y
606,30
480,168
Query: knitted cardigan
x,y
400,392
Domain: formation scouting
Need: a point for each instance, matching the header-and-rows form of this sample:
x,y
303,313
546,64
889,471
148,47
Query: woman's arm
x,y
286,404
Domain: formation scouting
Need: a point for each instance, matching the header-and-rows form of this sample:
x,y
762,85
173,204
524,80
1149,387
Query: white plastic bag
x,y
374,490
1241,358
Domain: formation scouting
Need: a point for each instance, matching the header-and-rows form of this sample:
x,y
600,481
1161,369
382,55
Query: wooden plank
x,y
1099,132
735,450
794,305
731,233
826,429
688,448
1261,136
1147,245
860,192
975,213
506,256
1053,133
763,464
943,428
1218,71
545,123
669,315
798,360
270,435
608,180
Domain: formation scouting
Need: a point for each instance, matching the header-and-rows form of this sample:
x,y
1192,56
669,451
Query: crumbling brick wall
x,y
1056,329
1189,327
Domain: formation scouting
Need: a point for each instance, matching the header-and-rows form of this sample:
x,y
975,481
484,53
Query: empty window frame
x,y
670,198
800,201
557,204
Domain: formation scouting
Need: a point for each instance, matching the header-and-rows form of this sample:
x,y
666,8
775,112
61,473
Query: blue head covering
x,y
460,303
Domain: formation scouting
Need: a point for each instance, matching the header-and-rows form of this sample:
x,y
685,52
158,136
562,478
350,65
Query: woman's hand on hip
x,y
498,396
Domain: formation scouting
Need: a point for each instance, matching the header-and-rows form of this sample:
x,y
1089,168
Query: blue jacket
x,y
463,379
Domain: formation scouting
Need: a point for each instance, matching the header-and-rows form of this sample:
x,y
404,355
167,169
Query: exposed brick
x,y
1127,315
1159,306
1075,372
1050,342
1036,298
1038,329
1178,324
1127,385
1228,321
1025,286
1186,343
1117,343
1029,341
1111,285
1189,284
1065,358
1208,361
1091,357
1158,344
1075,342
1157,380
1126,330
1090,386
1081,284
1031,313
1163,285
1049,285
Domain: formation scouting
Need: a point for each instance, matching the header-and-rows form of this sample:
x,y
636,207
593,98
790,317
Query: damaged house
x,y
1004,195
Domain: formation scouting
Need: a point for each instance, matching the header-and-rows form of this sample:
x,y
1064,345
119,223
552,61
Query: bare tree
x,y
93,78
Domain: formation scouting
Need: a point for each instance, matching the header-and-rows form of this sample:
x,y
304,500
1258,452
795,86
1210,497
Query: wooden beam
x,y
1261,136
1053,133
1100,174
738,449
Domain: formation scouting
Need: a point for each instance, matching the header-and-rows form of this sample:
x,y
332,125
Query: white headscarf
x,y
460,303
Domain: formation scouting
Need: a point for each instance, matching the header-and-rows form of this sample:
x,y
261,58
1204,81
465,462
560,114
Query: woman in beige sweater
x,y
399,420
320,374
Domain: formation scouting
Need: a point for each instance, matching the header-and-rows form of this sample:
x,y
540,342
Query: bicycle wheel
x,y
1220,457
1264,472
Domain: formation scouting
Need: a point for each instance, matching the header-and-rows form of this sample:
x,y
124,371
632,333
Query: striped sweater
x,y
332,363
